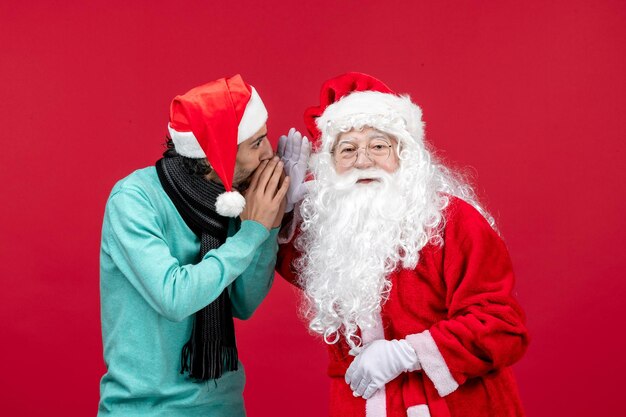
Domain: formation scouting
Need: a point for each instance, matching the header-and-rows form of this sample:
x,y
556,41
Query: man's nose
x,y
362,160
267,152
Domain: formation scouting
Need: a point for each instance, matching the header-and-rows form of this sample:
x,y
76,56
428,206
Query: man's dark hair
x,y
195,166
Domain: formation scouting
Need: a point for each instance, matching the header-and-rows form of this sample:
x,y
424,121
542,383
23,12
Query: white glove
x,y
378,363
294,151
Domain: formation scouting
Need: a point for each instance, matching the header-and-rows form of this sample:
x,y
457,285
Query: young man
x,y
176,264
404,274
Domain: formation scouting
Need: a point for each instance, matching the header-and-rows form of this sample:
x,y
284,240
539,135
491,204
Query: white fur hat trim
x,y
254,117
186,143
386,112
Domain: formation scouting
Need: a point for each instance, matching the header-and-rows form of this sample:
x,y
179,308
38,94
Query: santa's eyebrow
x,y
351,141
354,141
378,135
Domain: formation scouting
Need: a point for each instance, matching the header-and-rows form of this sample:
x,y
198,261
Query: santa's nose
x,y
362,160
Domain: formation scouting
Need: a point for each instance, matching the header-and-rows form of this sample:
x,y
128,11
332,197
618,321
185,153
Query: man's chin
x,y
242,186
242,181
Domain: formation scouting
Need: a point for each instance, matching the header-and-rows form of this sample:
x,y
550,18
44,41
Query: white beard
x,y
352,244
354,235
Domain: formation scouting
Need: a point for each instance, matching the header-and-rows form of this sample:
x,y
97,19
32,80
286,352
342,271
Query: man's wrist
x,y
255,227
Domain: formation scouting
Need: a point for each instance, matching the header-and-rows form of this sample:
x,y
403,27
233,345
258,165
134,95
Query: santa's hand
x,y
378,363
294,150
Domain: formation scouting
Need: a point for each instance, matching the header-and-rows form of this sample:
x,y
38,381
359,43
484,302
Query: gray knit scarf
x,y
211,349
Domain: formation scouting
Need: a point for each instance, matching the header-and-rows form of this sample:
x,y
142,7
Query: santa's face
x,y
363,149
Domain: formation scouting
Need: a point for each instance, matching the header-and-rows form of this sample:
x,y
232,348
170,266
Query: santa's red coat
x,y
458,312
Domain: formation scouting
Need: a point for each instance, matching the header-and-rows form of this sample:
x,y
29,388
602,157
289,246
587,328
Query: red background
x,y
529,95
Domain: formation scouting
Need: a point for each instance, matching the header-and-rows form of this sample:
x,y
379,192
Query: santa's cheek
x,y
390,167
341,170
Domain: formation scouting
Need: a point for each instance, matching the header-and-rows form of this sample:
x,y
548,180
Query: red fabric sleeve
x,y
485,328
287,254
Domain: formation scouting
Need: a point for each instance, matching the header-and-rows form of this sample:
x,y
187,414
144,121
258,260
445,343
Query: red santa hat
x,y
209,122
333,90
356,100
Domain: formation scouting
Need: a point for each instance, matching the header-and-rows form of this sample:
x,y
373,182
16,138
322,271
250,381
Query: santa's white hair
x,y
354,235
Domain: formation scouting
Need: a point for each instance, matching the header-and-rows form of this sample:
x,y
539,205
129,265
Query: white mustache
x,y
349,179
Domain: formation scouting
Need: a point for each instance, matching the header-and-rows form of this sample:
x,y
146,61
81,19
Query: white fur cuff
x,y
432,362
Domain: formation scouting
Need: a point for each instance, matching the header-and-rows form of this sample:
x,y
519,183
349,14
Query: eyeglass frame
x,y
366,149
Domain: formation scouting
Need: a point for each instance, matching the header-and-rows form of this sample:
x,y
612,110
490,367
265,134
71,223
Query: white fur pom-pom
x,y
230,204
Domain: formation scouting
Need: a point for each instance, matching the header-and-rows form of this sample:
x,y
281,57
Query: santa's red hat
x,y
209,122
333,90
357,100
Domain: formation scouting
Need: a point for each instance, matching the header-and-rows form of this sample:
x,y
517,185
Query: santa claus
x,y
403,272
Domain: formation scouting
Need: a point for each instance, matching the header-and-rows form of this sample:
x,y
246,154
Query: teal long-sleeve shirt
x,y
152,281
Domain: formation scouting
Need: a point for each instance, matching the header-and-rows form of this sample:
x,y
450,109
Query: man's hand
x,y
294,151
265,194
378,363
281,210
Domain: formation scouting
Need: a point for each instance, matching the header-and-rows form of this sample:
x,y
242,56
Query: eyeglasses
x,y
346,153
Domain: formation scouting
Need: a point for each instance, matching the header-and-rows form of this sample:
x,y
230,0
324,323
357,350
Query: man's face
x,y
250,154
365,149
